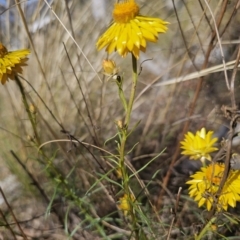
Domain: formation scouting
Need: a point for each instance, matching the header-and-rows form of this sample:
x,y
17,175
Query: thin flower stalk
x,y
31,116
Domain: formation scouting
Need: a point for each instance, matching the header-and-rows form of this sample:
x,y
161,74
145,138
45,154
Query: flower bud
x,y
30,138
32,109
119,124
109,67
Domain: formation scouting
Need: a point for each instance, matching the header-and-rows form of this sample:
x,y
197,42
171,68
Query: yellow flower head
x,y
125,202
205,184
11,63
200,145
130,31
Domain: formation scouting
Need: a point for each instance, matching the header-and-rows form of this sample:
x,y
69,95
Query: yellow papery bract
x,y
130,31
205,183
199,146
11,63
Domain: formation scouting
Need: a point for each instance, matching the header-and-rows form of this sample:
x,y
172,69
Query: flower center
x,y
125,11
3,51
214,173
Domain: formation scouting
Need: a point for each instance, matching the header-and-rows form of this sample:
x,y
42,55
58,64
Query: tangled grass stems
x,y
194,99
55,173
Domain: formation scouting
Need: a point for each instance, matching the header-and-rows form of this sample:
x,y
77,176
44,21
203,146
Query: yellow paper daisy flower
x,y
199,146
205,184
130,31
11,63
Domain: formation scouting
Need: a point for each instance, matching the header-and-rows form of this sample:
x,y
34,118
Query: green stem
x,y
121,95
205,229
133,91
26,105
123,140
